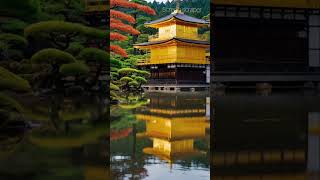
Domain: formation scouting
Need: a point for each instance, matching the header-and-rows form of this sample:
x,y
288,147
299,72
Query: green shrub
x,y
140,80
94,55
74,69
114,75
58,28
126,79
14,41
52,56
75,48
11,81
126,71
114,69
115,63
133,83
143,73
113,94
9,104
130,50
114,87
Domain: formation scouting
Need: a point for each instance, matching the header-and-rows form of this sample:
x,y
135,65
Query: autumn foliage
x,y
124,27
115,135
117,36
120,22
131,5
122,16
118,50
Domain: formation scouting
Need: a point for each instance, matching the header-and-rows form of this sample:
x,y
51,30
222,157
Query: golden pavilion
x,y
174,128
177,52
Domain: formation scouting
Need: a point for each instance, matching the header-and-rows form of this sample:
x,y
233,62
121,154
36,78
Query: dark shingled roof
x,y
167,40
179,16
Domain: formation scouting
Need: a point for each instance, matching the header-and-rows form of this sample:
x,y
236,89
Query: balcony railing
x,y
174,81
156,37
148,61
143,61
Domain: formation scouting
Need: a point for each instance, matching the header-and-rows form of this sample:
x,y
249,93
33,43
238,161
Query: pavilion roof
x,y
175,38
179,16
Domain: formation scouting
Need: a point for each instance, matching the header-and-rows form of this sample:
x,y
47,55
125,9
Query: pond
x,y
164,136
54,138
168,137
266,137
252,137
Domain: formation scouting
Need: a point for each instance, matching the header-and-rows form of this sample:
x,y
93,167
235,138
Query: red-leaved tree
x,y
118,134
120,22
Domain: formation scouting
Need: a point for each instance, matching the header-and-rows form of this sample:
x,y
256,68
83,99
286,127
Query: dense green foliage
x,y
13,41
44,45
75,48
10,104
74,69
52,56
67,10
13,26
40,42
12,46
94,55
62,27
10,81
61,34
19,8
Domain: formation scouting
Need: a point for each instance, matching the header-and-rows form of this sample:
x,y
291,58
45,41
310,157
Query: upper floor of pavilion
x,y
177,25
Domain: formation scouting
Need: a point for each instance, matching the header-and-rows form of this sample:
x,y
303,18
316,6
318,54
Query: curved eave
x,y
169,138
143,117
175,20
148,45
170,19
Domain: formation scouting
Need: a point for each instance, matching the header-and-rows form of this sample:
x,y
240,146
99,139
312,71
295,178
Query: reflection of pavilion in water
x,y
173,123
269,139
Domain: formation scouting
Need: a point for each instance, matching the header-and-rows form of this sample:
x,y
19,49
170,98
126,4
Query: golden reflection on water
x,y
266,138
173,130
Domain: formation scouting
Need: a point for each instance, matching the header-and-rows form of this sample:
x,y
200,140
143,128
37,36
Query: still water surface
x,y
169,138
54,138
253,137
273,137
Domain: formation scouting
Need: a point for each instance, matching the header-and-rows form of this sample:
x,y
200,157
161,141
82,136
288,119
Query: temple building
x,y
177,54
173,127
266,41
